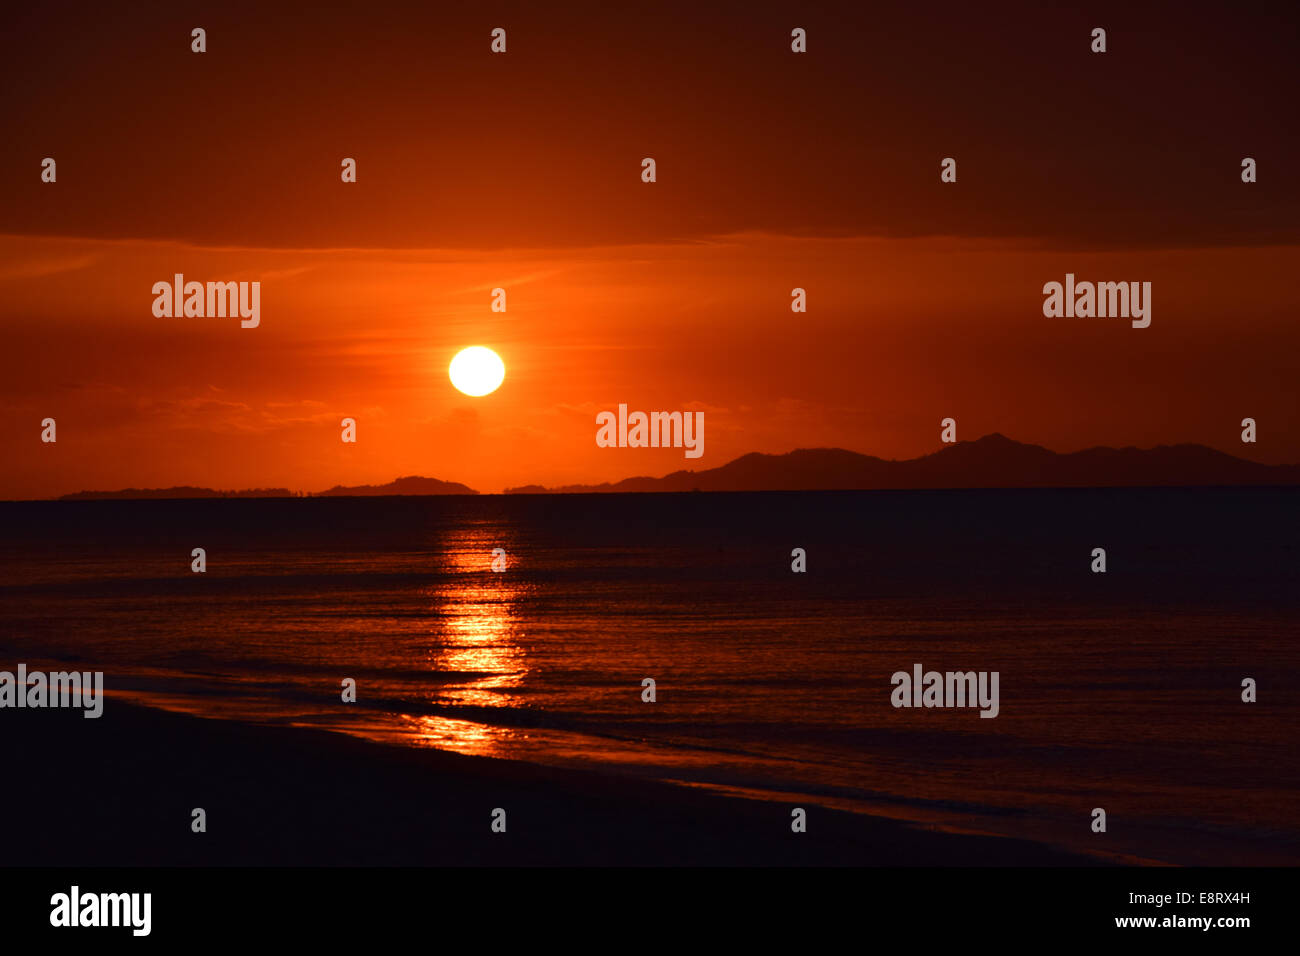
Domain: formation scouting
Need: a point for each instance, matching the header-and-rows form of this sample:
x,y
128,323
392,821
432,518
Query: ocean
x,y
1119,690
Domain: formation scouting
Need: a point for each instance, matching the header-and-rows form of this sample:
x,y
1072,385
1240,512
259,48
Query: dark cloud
x,y
542,146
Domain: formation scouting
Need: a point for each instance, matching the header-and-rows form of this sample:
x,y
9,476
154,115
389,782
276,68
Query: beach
x,y
120,791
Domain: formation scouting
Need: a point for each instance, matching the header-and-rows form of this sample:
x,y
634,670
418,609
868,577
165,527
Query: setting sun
x,y
477,371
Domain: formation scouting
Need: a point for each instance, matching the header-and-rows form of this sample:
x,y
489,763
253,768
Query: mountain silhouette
x,y
411,485
993,461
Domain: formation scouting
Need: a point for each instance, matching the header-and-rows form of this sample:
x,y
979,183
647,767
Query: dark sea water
x,y
1119,690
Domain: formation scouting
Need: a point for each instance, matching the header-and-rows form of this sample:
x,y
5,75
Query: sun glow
x,y
477,371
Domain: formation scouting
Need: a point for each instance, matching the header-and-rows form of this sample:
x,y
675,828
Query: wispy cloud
x,y
35,268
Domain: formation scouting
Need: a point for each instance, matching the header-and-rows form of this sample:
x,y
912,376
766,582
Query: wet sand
x,y
119,791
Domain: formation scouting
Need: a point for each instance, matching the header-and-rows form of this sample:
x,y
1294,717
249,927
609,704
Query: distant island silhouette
x,y
180,491
411,485
993,461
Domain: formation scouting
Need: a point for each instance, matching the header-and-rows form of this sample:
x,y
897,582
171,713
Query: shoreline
x,y
119,791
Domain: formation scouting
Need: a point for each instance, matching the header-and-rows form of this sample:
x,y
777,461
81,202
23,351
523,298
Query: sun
x,y
477,371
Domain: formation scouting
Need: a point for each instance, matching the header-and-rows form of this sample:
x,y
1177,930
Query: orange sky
x,y
899,334
522,171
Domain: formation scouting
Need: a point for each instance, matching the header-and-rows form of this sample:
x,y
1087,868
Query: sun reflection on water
x,y
476,645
